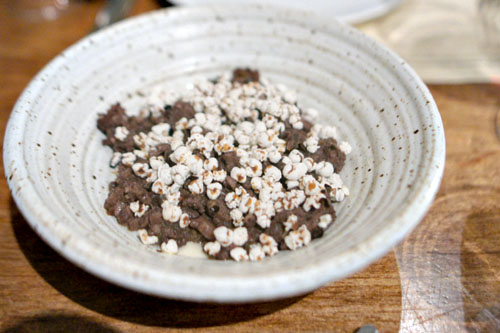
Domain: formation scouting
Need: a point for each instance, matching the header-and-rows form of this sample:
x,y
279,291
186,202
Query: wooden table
x,y
444,277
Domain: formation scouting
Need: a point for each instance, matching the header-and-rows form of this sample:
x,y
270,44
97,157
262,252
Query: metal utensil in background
x,y
112,12
164,3
367,329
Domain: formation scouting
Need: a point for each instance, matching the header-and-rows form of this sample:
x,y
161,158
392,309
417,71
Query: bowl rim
x,y
183,286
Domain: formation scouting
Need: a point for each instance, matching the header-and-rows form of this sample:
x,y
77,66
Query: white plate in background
x,y
350,11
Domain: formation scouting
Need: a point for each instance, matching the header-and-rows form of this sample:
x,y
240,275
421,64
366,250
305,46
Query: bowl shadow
x,y
56,323
123,304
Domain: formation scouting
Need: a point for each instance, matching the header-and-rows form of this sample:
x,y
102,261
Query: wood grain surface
x,y
444,277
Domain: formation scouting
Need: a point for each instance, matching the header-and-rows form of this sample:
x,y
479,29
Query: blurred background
x,y
445,41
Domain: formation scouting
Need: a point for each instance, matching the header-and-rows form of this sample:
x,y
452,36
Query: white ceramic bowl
x,y
58,170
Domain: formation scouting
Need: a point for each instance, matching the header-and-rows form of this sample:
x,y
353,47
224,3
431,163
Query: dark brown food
x,y
205,214
245,75
329,151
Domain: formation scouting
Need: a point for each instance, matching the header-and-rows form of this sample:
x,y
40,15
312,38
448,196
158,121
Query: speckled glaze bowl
x,y
58,170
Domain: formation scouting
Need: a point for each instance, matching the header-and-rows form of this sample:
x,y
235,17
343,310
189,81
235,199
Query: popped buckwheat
x,y
234,164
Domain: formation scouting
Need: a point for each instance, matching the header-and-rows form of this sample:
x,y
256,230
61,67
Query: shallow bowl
x,y
58,169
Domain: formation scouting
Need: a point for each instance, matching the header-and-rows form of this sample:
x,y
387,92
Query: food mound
x,y
233,164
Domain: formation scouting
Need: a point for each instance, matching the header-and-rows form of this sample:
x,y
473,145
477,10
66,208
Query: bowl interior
x,y
59,172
